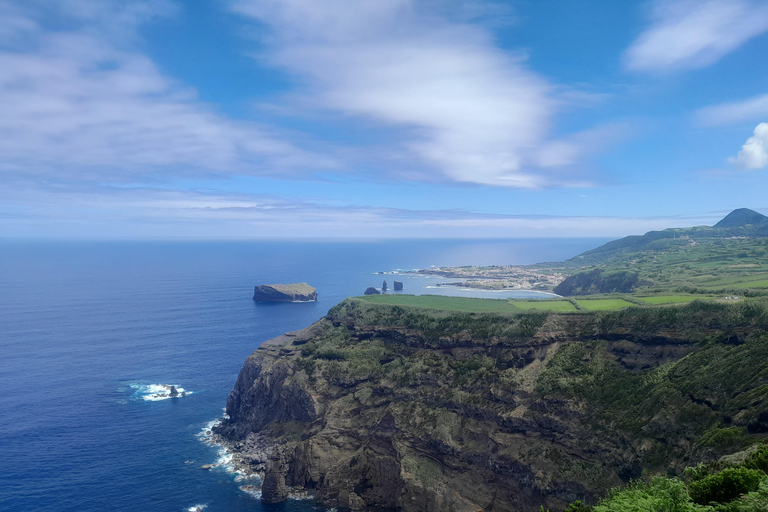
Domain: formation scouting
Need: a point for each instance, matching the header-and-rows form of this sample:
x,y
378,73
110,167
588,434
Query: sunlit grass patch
x,y
550,305
755,284
669,299
603,304
471,305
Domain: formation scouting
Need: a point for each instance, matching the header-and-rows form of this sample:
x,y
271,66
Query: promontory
x,y
384,407
294,292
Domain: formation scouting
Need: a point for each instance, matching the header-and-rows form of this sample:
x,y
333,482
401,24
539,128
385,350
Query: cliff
x,y
379,407
599,281
296,292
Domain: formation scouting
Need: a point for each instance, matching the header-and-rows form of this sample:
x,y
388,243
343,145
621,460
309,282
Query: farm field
x,y
670,299
551,305
447,303
603,304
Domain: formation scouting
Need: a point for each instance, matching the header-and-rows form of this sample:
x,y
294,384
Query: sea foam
x,y
156,392
225,461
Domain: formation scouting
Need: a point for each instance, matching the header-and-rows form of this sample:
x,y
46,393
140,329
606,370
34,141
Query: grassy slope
x,y
707,264
603,304
444,303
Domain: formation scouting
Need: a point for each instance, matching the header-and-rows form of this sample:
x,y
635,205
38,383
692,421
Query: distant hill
x,y
600,281
741,218
739,223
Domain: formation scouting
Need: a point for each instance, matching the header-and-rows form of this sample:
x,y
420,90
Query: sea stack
x,y
372,291
398,286
384,286
295,292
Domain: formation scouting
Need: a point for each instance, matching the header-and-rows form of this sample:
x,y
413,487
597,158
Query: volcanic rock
x,y
295,292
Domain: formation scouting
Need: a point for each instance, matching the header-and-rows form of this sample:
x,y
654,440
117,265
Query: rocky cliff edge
x,y
380,407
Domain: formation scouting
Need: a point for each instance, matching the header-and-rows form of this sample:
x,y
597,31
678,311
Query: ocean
x,y
93,333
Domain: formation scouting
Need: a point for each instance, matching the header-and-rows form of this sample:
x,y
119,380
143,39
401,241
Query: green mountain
x,y
741,218
739,223
729,257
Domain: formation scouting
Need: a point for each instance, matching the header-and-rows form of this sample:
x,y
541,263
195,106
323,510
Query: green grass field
x,y
669,299
447,303
603,304
472,305
754,284
551,305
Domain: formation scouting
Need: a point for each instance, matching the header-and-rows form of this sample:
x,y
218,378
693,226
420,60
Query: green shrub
x,y
726,485
758,460
578,506
662,494
723,437
752,502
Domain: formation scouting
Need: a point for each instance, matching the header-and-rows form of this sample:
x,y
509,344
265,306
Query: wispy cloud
x,y
752,109
77,101
754,153
689,34
472,112
65,210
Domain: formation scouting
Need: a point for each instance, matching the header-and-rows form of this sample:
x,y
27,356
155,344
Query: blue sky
x,y
370,118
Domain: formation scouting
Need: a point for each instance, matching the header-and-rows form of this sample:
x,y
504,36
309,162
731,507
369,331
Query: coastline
x,y
233,458
492,278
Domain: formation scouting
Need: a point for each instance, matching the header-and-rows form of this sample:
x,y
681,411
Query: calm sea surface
x,y
89,331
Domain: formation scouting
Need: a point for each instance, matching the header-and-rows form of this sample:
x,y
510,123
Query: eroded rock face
x,y
296,292
380,415
398,286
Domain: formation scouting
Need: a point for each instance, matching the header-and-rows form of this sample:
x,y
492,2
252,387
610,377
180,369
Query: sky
x,y
248,119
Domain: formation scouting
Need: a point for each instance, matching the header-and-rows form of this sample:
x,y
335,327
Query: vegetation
x,y
669,299
714,487
600,281
549,305
603,304
444,303
471,305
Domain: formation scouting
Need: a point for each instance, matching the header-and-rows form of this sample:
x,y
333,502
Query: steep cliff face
x,y
386,408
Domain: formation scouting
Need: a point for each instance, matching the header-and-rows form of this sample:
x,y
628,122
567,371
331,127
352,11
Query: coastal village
x,y
500,277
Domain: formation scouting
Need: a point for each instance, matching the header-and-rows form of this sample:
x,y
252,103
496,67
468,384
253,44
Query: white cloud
x,y
99,212
689,34
754,153
76,101
734,112
472,111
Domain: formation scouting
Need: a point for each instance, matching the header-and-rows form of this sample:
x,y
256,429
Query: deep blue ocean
x,y
89,331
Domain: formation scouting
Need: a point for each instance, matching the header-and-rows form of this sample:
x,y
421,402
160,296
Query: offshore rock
x,y
371,291
173,393
296,292
398,286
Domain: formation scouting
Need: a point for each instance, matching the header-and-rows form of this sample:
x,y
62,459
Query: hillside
x,y
739,223
728,258
384,407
